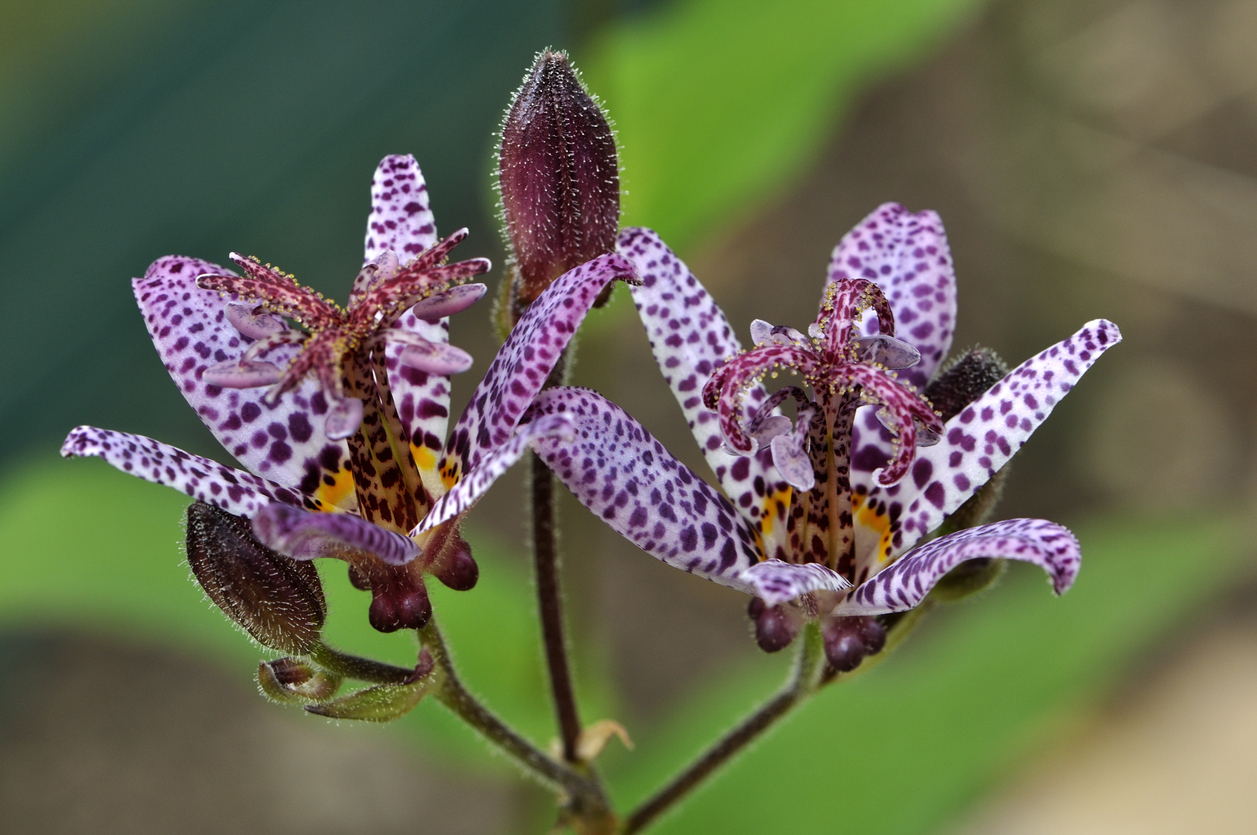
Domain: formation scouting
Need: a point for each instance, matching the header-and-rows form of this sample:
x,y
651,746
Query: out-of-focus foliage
x,y
720,103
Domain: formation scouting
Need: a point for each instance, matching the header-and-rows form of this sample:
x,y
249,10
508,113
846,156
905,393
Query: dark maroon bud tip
x,y
456,568
559,178
358,579
383,613
845,642
755,608
775,628
277,600
873,634
400,607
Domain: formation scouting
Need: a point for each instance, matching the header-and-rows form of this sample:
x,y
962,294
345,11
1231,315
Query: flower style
x,y
819,518
346,451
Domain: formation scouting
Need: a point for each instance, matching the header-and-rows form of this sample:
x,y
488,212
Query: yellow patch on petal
x,y
774,503
870,519
331,496
424,459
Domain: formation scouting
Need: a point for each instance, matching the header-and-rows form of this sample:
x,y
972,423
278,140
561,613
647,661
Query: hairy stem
x,y
550,606
362,669
451,693
803,682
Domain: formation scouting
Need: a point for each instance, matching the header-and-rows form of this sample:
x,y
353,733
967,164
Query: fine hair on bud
x,y
558,179
277,600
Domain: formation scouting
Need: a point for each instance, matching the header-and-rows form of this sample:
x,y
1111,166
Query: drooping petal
x,y
974,445
617,470
777,582
284,442
521,366
400,218
307,536
907,256
905,584
691,339
235,491
480,478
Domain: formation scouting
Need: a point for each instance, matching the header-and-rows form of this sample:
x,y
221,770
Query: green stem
x,y
361,669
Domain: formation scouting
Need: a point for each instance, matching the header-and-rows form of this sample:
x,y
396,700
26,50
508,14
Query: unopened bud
x,y
277,600
384,702
775,626
559,179
964,380
848,641
454,565
292,680
399,600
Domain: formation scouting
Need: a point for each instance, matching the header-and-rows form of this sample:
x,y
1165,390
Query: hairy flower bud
x,y
277,600
775,626
848,641
559,180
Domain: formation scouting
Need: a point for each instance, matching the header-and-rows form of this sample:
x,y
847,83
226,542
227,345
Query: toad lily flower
x,y
819,519
356,482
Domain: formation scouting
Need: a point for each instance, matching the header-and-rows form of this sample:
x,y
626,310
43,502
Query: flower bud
x,y
775,626
399,600
559,179
277,600
963,381
848,641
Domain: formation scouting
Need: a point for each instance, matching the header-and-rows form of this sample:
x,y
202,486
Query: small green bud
x,y
384,702
294,681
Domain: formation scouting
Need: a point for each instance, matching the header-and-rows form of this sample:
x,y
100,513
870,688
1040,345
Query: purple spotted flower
x,y
327,478
822,516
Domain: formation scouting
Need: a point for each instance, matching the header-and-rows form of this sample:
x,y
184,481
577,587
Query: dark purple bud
x,y
775,626
454,566
844,645
277,600
399,600
873,634
964,380
358,579
559,179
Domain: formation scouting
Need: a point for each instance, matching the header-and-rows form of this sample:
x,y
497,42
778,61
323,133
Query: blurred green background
x,y
1089,159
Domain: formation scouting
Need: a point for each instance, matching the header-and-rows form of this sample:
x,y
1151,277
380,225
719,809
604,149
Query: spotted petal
x,y
906,583
235,491
974,445
907,256
617,470
306,536
285,443
521,366
400,219
777,582
691,338
480,478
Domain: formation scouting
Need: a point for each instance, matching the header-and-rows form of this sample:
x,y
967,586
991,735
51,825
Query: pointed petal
x,y
905,584
907,256
521,366
285,442
691,338
777,582
400,218
975,444
306,536
235,491
480,478
617,470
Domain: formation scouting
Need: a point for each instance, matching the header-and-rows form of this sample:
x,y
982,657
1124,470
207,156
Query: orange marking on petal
x,y
334,496
870,519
